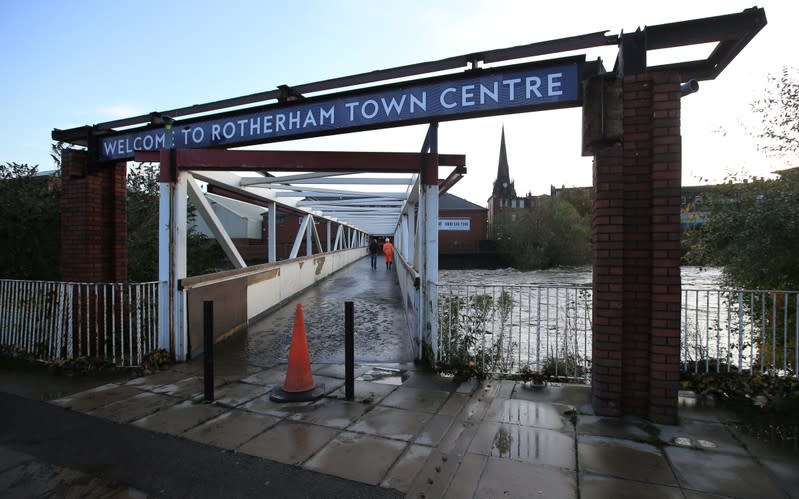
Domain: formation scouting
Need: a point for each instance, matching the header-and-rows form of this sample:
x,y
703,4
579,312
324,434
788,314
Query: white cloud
x,y
117,111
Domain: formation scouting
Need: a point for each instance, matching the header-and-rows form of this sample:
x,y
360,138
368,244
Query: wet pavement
x,y
377,308
408,432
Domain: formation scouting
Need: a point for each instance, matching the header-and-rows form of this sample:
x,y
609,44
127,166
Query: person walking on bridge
x,y
374,248
388,251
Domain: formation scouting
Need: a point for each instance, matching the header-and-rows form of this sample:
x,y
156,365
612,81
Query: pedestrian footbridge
x,y
341,199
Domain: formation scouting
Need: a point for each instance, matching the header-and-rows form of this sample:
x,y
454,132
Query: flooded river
x,y
692,277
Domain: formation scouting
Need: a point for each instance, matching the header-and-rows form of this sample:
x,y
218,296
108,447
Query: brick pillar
x,y
93,220
636,253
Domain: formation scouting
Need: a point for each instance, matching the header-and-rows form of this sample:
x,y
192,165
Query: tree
x,y
751,225
550,233
779,113
30,223
752,232
142,208
203,254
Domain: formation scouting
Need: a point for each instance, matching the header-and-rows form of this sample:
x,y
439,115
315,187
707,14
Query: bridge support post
x,y
428,262
172,328
94,225
636,255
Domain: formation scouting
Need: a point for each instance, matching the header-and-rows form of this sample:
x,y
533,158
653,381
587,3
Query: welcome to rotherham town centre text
x,y
396,105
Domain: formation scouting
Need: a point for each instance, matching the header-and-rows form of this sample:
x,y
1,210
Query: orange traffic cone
x,y
299,385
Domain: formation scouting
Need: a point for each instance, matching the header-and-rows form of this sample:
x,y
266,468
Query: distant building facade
x,y
462,226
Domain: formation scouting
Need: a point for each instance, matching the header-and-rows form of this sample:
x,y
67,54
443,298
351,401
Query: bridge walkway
x,y
381,331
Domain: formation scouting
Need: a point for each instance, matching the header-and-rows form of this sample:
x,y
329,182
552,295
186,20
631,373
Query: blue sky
x,y
72,63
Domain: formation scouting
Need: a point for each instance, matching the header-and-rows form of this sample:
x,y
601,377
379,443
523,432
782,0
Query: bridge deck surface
x,y
381,333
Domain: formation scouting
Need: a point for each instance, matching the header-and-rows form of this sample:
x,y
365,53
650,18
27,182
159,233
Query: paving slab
x,y
467,477
391,423
434,430
231,429
289,442
527,413
265,405
178,418
436,475
602,487
515,479
623,428
476,407
187,388
337,370
366,392
355,456
522,443
235,394
710,436
274,376
785,470
96,397
454,404
458,438
136,407
416,399
404,471
330,412
160,378
624,459
575,396
720,473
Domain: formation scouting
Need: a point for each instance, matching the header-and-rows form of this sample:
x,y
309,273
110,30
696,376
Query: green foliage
x,y
475,337
550,234
752,231
751,228
203,255
752,225
142,209
779,113
770,392
30,223
568,366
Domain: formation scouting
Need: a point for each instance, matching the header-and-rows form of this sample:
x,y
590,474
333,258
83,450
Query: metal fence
x,y
53,320
547,329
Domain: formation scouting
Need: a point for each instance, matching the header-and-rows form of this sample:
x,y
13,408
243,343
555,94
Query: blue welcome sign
x,y
476,93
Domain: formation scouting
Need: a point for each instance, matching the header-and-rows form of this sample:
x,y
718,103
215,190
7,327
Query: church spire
x,y
503,187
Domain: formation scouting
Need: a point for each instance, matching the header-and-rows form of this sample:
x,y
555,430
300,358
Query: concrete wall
x,y
269,289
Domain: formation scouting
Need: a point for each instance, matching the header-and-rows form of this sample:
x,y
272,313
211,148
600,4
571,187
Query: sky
x,y
82,62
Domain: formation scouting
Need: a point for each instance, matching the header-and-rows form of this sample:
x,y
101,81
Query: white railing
x,y
509,329
740,330
53,320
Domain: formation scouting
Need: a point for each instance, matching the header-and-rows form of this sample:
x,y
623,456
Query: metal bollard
x,y
349,352
208,349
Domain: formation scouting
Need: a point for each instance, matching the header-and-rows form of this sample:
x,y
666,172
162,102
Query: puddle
x,y
384,375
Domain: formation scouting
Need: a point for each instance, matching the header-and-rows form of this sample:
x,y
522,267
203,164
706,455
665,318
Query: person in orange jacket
x,y
388,251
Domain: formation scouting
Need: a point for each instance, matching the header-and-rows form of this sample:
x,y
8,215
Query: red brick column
x,y
93,220
636,253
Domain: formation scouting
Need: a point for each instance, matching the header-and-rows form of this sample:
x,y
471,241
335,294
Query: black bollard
x,y
349,352
208,349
